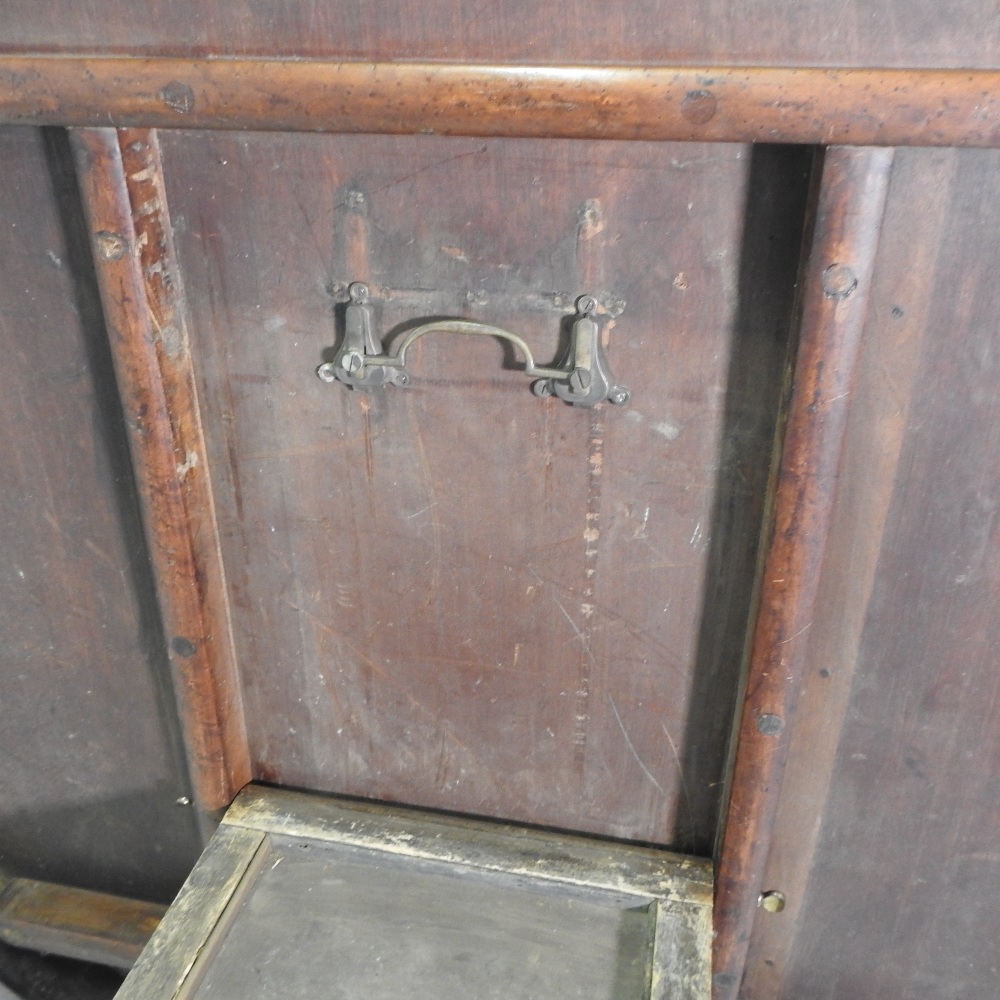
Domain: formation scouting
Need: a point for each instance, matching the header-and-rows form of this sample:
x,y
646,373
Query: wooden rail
x,y
716,104
836,282
123,194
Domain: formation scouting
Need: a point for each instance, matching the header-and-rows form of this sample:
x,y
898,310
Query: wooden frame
x,y
845,107
708,104
264,824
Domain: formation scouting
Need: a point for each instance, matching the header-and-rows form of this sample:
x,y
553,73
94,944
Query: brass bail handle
x,y
583,379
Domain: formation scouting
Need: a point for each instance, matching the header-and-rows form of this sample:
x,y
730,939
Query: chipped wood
x,y
123,193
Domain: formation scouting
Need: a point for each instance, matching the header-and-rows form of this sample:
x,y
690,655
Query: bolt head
x,y
620,396
327,372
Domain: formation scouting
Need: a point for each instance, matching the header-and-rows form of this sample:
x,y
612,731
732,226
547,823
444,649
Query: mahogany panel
x,y
757,104
92,768
885,842
459,595
798,32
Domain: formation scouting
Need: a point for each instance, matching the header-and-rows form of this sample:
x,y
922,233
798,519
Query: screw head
x,y
111,246
580,380
358,292
542,388
327,372
620,396
770,725
403,379
839,281
773,901
586,305
352,362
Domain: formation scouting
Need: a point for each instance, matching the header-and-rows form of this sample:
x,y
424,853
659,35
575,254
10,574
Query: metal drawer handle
x,y
584,379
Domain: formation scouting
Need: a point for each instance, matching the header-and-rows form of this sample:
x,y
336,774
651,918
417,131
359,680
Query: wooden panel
x,y
857,32
885,843
758,104
92,769
458,595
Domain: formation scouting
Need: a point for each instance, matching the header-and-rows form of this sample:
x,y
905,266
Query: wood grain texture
x,y
836,284
92,764
696,32
457,595
90,926
708,103
131,235
894,800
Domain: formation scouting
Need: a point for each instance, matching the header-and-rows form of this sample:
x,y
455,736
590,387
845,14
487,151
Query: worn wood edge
x,y
166,962
841,106
76,923
862,512
124,199
569,858
837,282
682,953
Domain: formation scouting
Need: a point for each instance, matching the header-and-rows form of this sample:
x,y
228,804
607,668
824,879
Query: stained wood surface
x,y
90,926
760,104
836,285
458,595
800,32
92,765
885,840
132,240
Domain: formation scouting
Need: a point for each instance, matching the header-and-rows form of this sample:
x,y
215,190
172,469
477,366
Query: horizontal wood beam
x,y
716,104
89,926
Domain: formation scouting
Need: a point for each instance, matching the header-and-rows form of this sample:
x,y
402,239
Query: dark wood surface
x,y
800,32
756,104
92,765
458,595
132,240
885,842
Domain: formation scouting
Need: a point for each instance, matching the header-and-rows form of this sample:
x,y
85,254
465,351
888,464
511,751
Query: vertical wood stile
x,y
122,187
836,282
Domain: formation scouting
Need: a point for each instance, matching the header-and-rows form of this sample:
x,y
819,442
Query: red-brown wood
x,y
836,280
122,189
709,103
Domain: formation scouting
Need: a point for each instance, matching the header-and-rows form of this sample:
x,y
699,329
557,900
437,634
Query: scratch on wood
x,y
628,742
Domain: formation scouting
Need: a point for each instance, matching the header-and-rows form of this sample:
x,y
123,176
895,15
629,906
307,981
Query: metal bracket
x,y
583,379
